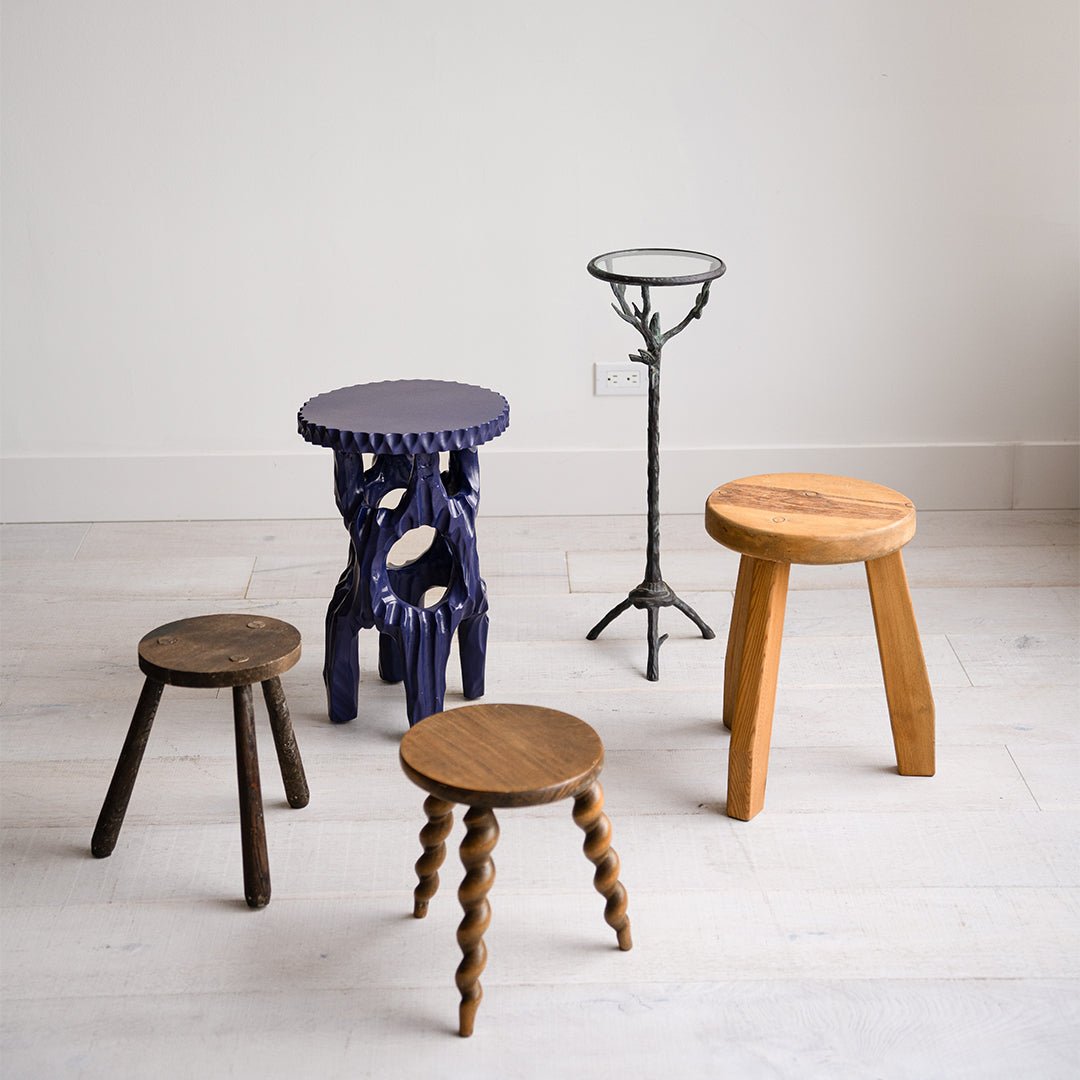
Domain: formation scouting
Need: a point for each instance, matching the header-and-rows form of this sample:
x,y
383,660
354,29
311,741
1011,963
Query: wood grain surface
x,y
809,518
502,755
755,692
219,650
907,686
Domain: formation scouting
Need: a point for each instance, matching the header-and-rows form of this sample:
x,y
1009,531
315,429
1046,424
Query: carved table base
x,y
414,641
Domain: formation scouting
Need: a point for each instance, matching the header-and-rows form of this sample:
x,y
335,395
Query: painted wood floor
x,y
864,925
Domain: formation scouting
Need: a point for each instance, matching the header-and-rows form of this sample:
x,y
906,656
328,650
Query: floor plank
x,y
175,861
801,780
1035,659
982,1029
313,944
212,577
809,611
1051,773
653,716
60,542
325,538
928,567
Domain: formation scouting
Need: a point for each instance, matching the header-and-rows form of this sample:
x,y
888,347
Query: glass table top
x,y
656,266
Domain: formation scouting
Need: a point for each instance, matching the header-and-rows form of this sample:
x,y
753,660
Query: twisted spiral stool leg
x,y
440,815
476,849
589,815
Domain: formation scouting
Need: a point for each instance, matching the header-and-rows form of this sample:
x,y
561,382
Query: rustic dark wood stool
x,y
217,651
778,519
486,756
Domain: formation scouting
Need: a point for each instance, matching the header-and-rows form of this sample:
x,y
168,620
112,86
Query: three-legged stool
x,y
487,756
217,651
783,518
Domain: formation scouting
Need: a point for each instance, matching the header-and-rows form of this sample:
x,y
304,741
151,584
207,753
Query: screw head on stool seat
x,y
219,650
809,518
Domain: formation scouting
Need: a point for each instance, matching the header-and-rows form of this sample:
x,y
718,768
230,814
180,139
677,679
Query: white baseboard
x,y
978,476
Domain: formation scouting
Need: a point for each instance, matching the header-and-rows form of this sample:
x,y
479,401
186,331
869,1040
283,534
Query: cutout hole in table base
x,y
420,567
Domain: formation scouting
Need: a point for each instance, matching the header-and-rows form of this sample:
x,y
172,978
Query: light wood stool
x,y
486,756
783,518
217,651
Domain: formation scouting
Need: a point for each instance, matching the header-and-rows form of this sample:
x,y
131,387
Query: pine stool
x,y
783,518
487,756
217,651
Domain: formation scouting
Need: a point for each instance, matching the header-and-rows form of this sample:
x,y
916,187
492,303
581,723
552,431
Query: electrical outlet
x,y
621,379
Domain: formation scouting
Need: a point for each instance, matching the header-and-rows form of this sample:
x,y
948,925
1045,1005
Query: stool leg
x,y
472,645
476,849
589,815
127,768
341,666
755,692
252,826
440,820
391,663
288,753
736,636
425,650
907,686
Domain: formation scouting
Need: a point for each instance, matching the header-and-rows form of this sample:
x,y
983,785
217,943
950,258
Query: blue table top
x,y
404,416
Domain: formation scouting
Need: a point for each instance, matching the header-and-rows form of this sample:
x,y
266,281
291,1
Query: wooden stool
x,y
483,756
216,651
783,518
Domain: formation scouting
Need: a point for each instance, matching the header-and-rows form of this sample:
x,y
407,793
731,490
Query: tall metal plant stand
x,y
645,268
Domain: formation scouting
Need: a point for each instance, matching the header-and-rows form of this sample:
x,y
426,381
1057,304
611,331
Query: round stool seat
x,y
809,518
502,755
219,650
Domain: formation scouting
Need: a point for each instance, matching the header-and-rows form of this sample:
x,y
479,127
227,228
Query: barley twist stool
x,y
217,651
783,518
487,756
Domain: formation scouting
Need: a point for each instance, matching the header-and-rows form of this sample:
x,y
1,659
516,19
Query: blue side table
x,y
405,424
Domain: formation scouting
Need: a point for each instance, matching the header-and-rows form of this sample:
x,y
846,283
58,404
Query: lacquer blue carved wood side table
x,y
405,424
647,267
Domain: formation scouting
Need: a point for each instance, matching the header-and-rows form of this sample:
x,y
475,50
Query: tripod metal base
x,y
652,595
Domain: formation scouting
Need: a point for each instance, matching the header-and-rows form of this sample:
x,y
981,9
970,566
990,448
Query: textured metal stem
x,y
653,593
440,820
589,816
476,849
652,553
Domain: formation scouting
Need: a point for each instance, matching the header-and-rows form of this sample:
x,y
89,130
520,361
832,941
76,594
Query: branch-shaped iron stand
x,y
653,593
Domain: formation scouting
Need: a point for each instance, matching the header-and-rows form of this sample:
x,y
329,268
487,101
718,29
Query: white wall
x,y
214,210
